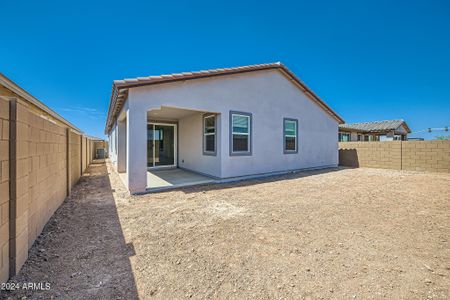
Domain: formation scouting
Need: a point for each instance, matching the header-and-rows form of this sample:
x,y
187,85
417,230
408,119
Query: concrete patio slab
x,y
159,180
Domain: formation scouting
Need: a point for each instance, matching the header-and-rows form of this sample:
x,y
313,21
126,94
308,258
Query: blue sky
x,y
369,60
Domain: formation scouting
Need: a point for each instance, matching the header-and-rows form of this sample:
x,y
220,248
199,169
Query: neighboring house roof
x,y
377,126
17,90
120,87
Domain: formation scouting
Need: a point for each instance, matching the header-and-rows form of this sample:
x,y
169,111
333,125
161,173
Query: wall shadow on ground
x,y
82,251
250,182
348,158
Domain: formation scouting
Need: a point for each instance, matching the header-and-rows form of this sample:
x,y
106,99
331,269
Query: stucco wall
x,y
270,99
113,150
190,143
268,95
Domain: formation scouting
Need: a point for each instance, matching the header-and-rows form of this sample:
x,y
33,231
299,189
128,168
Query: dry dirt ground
x,y
342,234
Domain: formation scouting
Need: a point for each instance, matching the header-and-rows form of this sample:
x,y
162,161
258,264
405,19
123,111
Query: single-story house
x,y
389,130
222,123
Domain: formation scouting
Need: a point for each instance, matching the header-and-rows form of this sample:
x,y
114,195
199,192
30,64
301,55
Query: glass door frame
x,y
175,145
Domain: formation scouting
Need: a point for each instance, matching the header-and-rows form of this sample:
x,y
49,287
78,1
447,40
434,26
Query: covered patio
x,y
174,149
174,139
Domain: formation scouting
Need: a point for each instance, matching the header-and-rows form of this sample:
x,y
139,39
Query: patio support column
x,y
122,142
136,150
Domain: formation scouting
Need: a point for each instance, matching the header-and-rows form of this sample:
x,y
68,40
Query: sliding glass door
x,y
161,145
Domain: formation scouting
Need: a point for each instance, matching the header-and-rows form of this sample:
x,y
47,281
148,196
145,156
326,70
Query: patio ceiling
x,y
170,113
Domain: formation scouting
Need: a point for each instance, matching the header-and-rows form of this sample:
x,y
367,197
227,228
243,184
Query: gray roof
x,y
375,126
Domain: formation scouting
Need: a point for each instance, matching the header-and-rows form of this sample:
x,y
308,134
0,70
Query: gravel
x,y
341,233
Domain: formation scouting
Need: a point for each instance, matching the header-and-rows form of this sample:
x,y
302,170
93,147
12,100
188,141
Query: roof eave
x,y
122,85
406,127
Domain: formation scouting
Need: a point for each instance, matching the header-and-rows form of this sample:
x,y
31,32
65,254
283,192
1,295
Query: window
x,y
209,135
359,137
157,135
290,133
240,133
344,137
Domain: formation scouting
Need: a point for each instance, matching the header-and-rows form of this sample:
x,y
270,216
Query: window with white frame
x,y
290,133
209,135
240,130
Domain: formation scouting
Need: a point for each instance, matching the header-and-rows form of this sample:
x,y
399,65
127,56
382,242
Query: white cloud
x,y
91,113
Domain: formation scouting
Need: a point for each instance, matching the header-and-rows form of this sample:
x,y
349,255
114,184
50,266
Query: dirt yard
x,y
344,234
